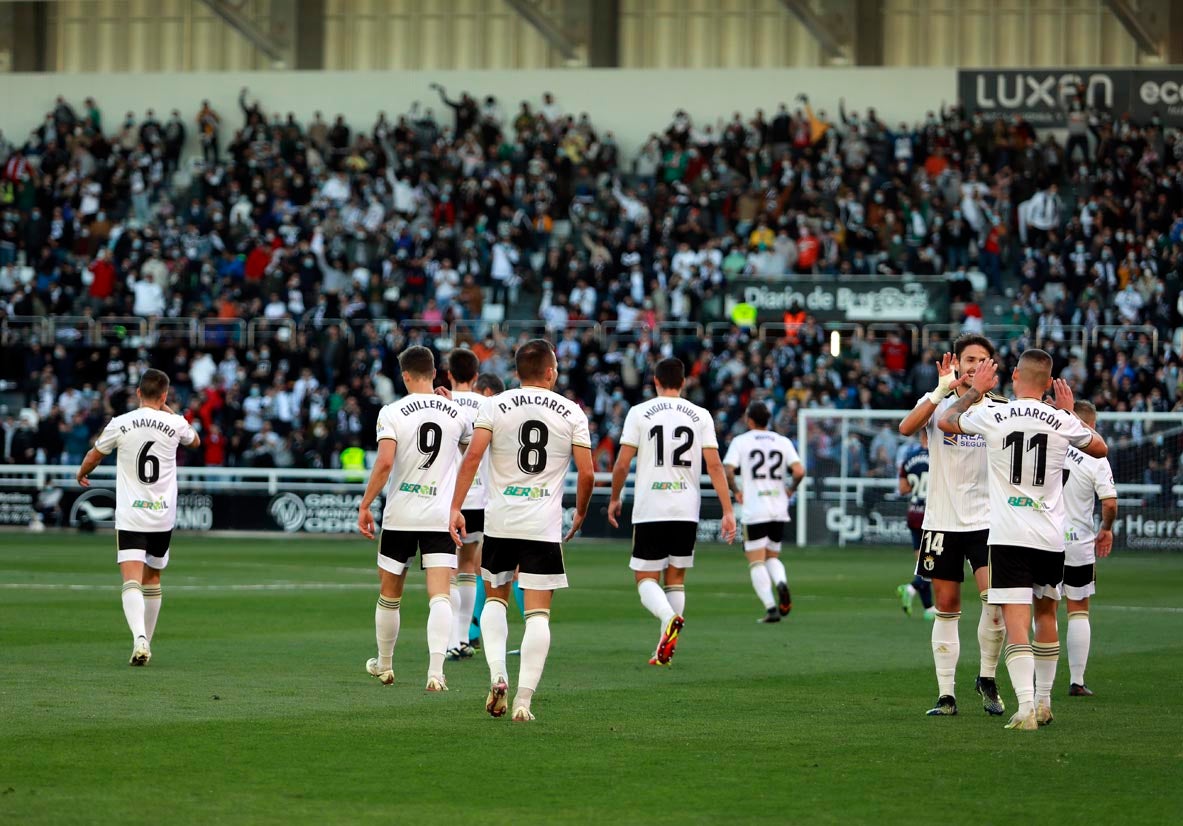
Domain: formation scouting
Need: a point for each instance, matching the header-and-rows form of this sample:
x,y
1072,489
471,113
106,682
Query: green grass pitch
x,y
256,707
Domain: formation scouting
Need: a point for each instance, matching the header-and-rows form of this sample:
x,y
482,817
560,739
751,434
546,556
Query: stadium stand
x,y
276,277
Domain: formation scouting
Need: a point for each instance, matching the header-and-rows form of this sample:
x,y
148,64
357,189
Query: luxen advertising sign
x,y
1041,96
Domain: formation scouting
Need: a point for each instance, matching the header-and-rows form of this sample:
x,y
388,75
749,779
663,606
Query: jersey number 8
x,y
533,437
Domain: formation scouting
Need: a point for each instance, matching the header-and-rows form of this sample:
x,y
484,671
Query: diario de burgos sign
x,y
851,299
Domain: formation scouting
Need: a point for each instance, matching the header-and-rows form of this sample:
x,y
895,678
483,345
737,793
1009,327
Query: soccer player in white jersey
x,y
1027,444
1086,479
671,439
764,459
463,369
955,527
532,435
420,438
145,499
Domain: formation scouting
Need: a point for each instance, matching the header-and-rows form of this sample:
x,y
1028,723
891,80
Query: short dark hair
x,y
489,381
670,373
1036,361
970,339
759,413
418,361
532,359
154,384
463,365
1083,406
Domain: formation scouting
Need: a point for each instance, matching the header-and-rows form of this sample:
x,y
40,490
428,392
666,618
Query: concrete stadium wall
x,y
631,103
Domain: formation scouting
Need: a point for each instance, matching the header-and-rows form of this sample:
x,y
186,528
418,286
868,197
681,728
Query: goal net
x,y
852,460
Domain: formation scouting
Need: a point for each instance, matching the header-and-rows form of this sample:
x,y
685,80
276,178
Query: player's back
x,y
1086,478
958,479
146,440
470,406
428,430
533,432
763,458
669,434
1027,444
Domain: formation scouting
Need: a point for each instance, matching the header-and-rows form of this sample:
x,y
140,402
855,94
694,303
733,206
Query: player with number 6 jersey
x,y
955,527
420,438
146,441
764,460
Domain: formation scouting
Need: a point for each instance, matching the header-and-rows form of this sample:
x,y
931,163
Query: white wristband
x,y
937,395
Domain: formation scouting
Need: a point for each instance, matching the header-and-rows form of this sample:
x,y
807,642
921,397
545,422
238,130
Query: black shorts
x,y
397,548
763,535
474,525
1019,574
539,565
149,547
943,554
657,545
1080,581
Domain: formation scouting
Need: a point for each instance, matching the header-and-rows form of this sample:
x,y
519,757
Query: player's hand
x,y
443,391
576,524
1104,543
1064,399
739,497
457,528
82,480
986,376
728,528
365,521
614,508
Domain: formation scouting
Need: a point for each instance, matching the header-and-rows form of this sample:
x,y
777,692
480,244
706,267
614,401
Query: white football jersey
x,y
1086,478
958,479
669,434
763,458
534,431
478,495
146,476
1026,444
427,430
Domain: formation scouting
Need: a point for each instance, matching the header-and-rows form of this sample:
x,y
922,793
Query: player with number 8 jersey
x,y
532,435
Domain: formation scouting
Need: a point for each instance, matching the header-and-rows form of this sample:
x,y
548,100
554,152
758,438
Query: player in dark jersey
x,y
914,484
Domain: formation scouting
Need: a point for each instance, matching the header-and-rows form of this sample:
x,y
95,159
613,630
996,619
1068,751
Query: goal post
x,y
851,457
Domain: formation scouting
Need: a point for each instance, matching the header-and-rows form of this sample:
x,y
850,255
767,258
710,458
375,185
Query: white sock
x,y
676,594
1080,637
152,599
439,629
776,570
454,599
911,592
991,636
494,633
946,648
655,601
1020,664
1046,656
466,584
535,647
762,584
133,608
387,619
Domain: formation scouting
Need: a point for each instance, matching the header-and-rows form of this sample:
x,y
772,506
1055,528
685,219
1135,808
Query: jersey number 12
x,y
684,433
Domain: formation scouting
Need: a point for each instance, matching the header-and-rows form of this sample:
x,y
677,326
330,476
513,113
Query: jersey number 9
x,y
430,438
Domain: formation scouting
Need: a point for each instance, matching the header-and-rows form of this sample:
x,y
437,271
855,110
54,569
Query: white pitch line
x,y
264,586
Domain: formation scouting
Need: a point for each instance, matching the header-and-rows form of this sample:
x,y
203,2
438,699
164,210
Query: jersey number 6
x,y
147,465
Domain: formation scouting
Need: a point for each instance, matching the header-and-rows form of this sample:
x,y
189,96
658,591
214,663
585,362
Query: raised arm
x,y
984,379
946,380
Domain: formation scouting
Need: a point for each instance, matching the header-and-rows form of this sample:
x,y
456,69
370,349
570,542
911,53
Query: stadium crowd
x,y
429,228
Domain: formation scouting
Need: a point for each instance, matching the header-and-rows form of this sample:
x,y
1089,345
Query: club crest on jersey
x,y
1027,502
670,486
526,492
148,505
421,490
